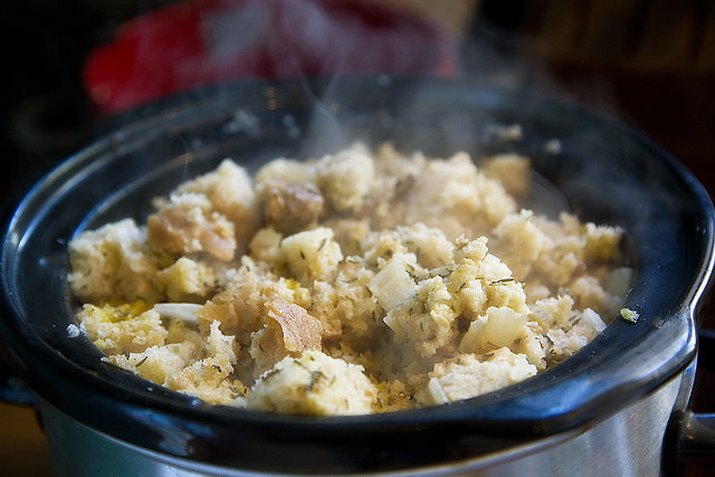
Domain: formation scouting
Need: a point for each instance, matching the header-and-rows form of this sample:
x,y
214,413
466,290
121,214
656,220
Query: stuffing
x,y
312,255
188,225
289,330
207,380
209,377
588,293
511,170
346,178
393,284
187,280
519,243
429,245
553,312
240,306
266,247
498,328
349,233
563,344
157,363
230,191
287,170
128,328
346,307
602,242
451,195
314,384
291,207
113,262
424,321
468,375
352,283
298,329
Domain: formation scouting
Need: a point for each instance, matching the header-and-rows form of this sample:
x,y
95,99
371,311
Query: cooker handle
x,y
698,434
706,349
13,390
698,429
691,434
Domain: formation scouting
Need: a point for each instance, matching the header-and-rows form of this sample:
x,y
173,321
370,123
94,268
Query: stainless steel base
x,y
628,443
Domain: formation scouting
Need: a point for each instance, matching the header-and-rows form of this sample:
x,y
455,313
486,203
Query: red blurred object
x,y
205,42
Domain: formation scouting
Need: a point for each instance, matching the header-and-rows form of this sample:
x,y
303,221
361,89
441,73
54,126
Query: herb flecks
x,y
315,376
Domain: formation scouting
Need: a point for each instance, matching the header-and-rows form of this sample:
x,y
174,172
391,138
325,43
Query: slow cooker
x,y
604,411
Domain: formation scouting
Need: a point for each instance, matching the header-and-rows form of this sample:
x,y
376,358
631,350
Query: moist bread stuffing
x,y
354,283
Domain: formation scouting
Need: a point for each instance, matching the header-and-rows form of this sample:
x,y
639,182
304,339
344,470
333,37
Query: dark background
x,y
650,63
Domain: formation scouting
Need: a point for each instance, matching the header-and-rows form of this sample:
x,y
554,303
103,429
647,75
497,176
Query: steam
x,y
304,39
339,41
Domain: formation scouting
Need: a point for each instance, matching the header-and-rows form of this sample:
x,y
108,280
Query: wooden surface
x,y
23,448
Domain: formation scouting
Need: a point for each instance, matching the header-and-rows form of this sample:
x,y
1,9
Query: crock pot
x,y
603,411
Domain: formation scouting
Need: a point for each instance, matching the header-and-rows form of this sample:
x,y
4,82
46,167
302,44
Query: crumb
x,y
72,331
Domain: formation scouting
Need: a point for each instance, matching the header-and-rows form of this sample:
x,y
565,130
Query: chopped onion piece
x,y
188,312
